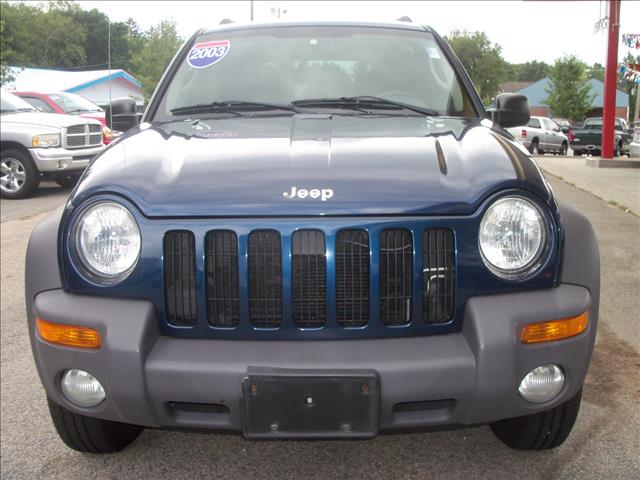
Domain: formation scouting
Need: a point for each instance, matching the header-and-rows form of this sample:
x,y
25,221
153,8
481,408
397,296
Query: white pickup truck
x,y
541,135
35,144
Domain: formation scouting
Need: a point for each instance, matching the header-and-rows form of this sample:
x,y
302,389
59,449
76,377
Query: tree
x,y
630,87
570,93
161,44
596,71
6,75
528,71
482,60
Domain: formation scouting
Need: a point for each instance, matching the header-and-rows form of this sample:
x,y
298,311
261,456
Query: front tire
x,y
19,176
534,148
67,180
91,435
539,431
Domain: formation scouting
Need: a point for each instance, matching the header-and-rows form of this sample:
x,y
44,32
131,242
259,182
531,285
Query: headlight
x,y
512,237
107,241
46,140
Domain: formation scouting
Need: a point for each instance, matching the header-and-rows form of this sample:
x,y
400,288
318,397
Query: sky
x,y
526,30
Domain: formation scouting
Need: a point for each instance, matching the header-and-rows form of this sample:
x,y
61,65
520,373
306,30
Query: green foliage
x,y
482,60
6,75
161,44
596,71
570,93
527,72
62,35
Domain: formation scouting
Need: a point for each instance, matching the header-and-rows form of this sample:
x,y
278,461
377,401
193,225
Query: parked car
x,y
588,139
634,147
68,103
289,249
34,144
542,135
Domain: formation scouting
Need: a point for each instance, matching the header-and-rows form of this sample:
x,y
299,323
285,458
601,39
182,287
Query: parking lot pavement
x,y
619,185
48,197
604,442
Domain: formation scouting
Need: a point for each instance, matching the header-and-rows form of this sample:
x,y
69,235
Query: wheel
x,y
67,180
19,176
617,151
539,431
91,435
563,149
534,148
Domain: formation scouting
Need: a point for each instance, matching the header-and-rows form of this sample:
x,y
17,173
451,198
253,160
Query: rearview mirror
x,y
512,110
121,115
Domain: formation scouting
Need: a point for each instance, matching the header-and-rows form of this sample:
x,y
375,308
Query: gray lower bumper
x,y
62,159
463,378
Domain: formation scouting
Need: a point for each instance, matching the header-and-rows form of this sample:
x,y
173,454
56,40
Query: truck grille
x,y
179,278
265,278
311,278
82,136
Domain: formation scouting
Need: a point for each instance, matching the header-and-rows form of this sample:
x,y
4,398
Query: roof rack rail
x,y
404,18
225,21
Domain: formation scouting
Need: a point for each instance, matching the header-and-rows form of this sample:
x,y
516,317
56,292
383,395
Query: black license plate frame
x,y
283,403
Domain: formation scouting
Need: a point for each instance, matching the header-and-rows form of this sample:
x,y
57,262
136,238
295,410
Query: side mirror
x,y
121,114
512,110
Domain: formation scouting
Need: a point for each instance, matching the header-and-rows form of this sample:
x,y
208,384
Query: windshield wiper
x,y
79,110
363,101
232,106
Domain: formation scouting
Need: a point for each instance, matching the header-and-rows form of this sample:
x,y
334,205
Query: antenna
x,y
109,67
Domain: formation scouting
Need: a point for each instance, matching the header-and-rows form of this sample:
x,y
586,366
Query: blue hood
x,y
373,166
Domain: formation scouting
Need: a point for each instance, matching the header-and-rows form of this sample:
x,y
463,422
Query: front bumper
x,y
61,159
467,377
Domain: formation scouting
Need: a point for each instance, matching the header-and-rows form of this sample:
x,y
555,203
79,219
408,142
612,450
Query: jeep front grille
x,y
310,278
352,278
221,265
265,278
179,278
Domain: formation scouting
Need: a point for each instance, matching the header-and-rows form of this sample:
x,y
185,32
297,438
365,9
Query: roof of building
x,y
537,93
40,79
512,87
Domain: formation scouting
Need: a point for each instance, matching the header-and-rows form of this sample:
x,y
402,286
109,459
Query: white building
x,y
95,85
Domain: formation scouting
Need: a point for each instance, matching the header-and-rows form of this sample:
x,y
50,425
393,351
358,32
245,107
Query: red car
x,y
70,104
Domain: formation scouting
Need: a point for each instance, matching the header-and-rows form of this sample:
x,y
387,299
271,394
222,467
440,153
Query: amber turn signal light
x,y
68,335
555,329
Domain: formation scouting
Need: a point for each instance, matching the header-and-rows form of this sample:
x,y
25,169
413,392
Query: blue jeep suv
x,y
315,231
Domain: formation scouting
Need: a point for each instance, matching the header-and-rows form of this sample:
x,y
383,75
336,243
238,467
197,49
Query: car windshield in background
x,y
11,103
593,123
348,70
72,103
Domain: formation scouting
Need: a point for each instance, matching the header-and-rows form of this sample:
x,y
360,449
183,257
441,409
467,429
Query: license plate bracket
x,y
283,403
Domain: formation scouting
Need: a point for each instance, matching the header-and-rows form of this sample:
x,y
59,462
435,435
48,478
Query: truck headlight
x,y
107,241
512,237
46,140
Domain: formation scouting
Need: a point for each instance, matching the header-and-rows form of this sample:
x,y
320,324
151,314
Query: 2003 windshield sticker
x,y
205,54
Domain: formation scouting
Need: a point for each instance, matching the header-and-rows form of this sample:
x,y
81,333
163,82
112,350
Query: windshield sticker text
x,y
205,54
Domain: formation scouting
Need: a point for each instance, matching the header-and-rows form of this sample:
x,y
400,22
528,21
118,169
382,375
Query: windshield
x,y
593,123
72,103
11,103
279,66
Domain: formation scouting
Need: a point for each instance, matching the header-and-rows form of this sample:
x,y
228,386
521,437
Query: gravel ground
x,y
604,442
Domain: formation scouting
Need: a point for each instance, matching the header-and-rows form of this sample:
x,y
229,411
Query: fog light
x,y
542,384
82,388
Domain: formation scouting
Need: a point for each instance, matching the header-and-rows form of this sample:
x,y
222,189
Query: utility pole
x,y
610,80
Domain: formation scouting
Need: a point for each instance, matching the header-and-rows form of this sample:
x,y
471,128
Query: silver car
x,y
542,135
34,144
634,148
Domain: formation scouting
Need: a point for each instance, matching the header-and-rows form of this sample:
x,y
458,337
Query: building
x,y
95,85
536,93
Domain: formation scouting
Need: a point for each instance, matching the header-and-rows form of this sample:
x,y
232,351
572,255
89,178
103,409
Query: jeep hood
x,y
373,166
